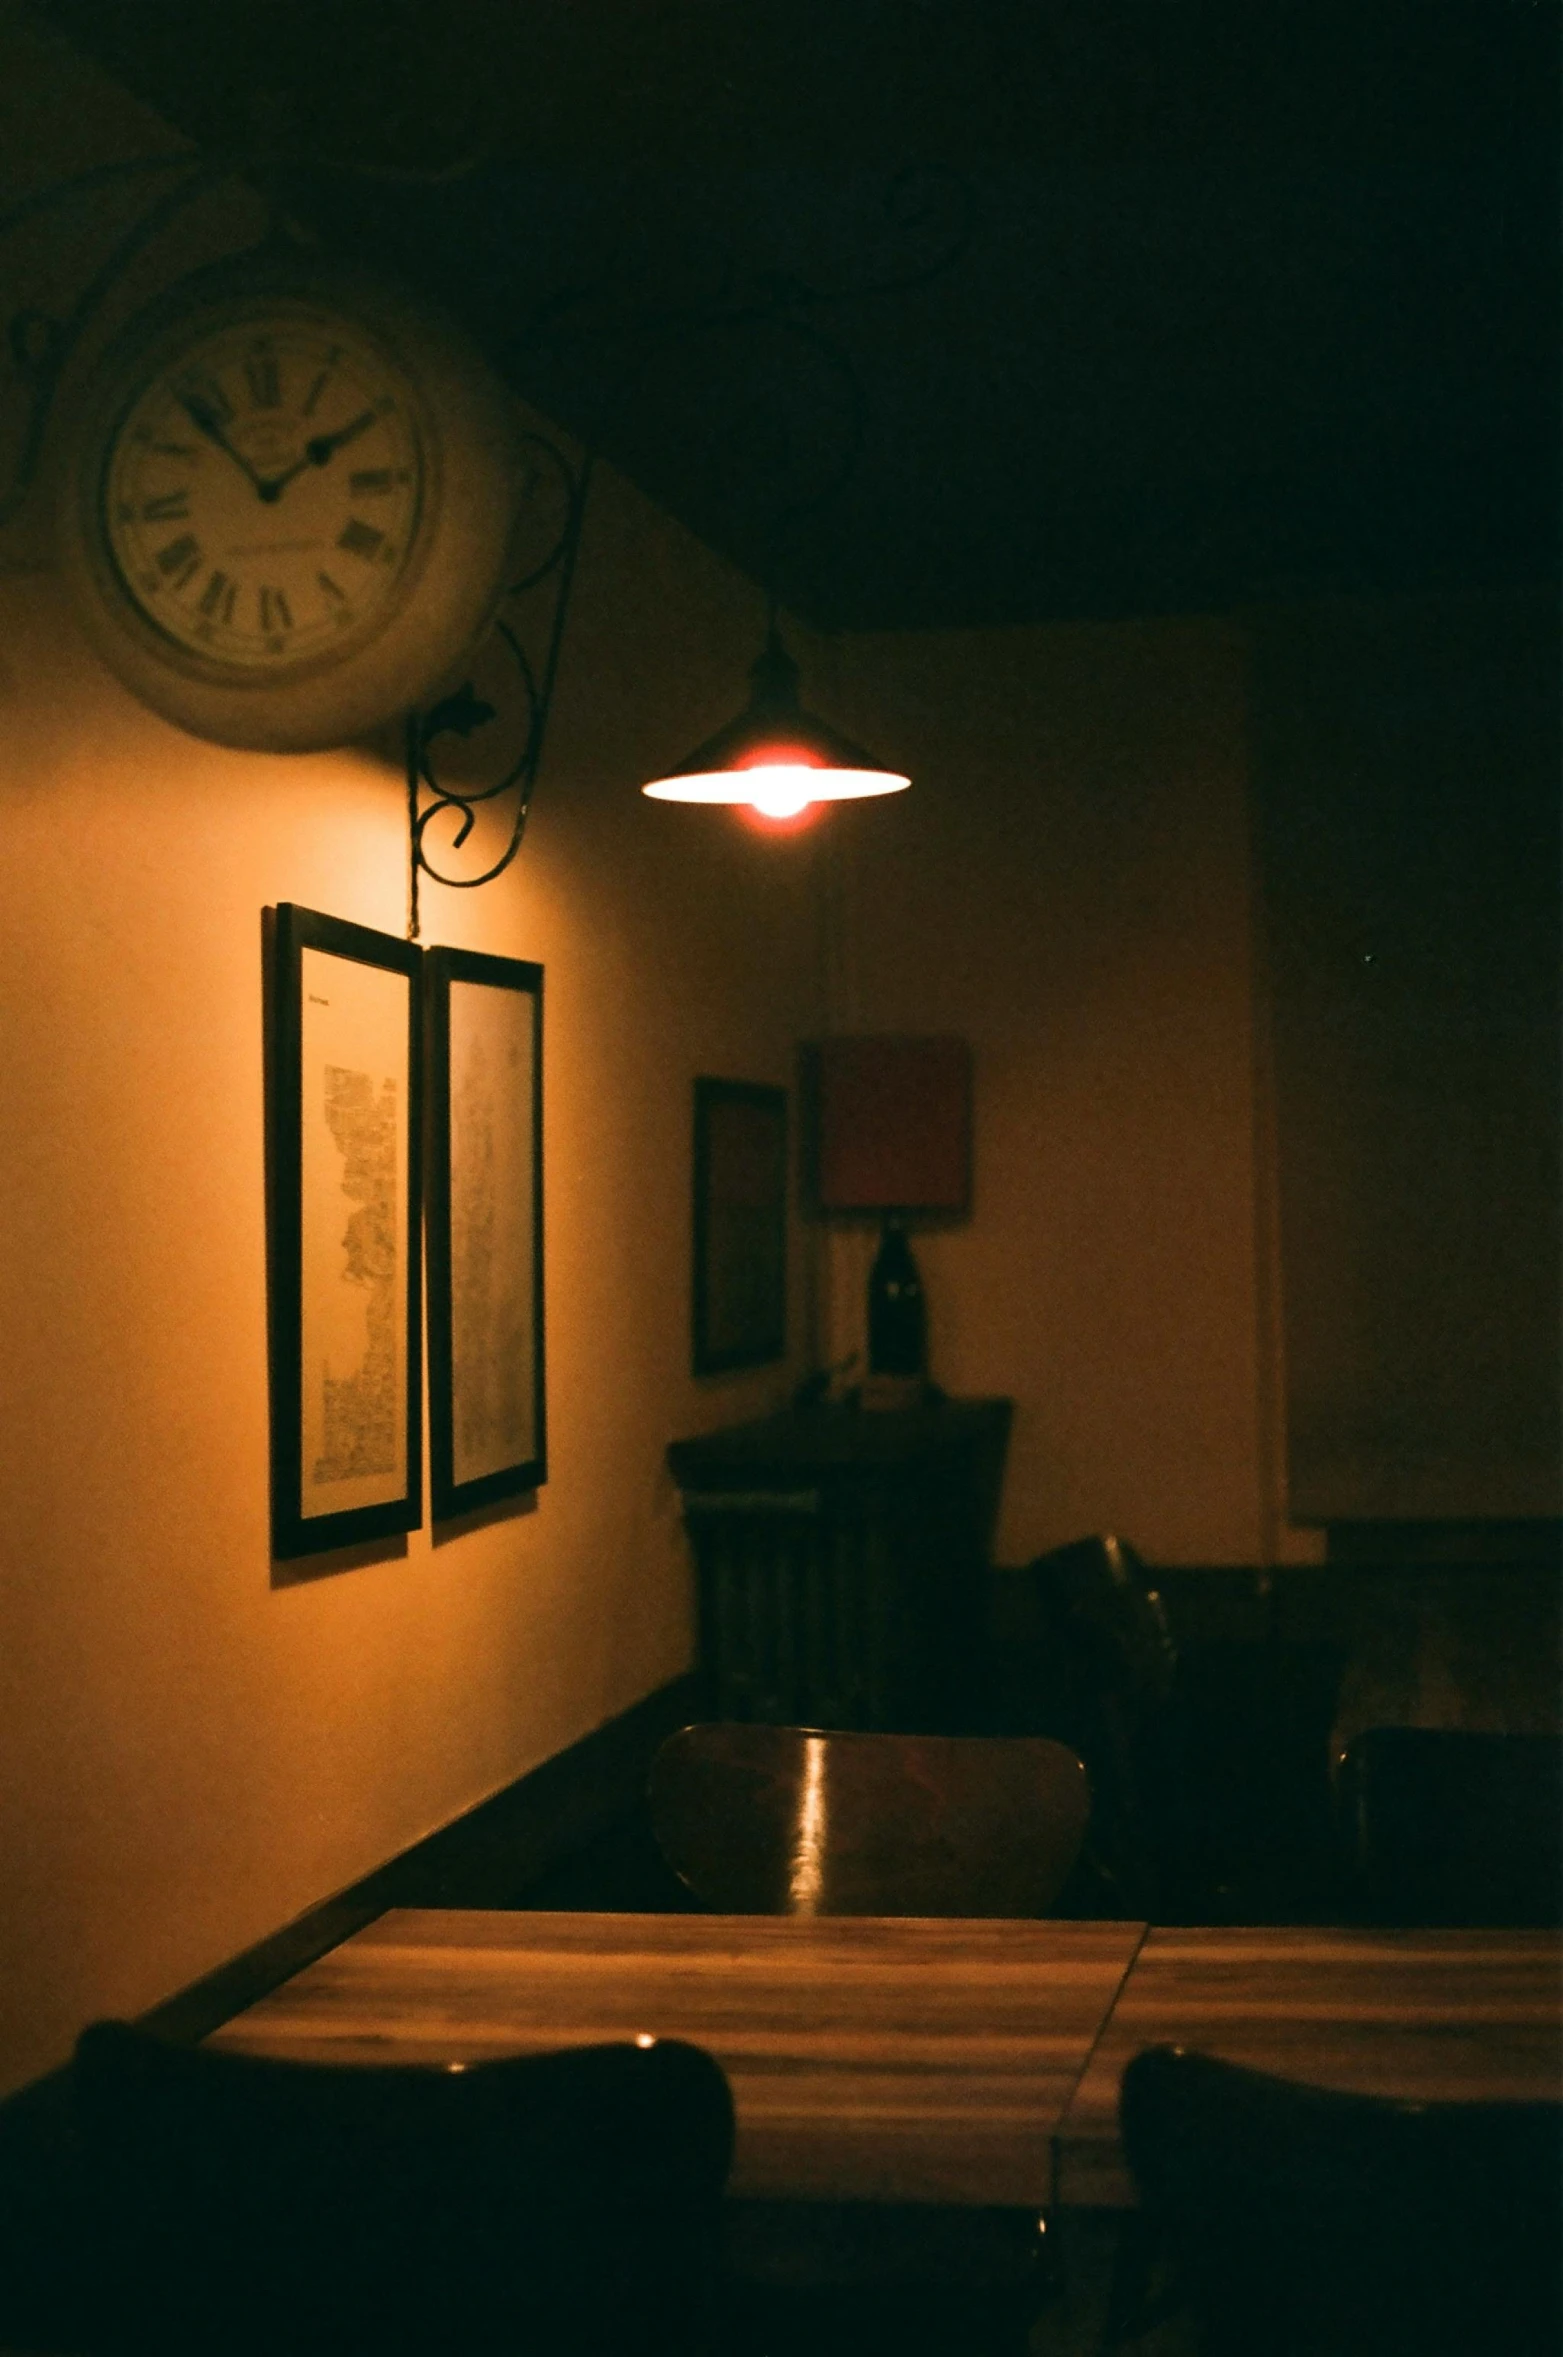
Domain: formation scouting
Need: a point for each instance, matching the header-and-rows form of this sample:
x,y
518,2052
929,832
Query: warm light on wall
x,y
776,757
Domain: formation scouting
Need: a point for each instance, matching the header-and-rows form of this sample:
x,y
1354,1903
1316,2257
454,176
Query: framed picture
x,y
487,1428
344,1215
740,1283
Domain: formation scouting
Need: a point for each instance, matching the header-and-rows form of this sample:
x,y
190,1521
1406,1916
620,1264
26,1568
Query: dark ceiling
x,y
960,312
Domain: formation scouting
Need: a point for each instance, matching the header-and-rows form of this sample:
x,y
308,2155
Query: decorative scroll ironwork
x,y
554,500
39,344
738,350
796,443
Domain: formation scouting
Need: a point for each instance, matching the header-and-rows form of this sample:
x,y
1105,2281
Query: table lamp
x,y
890,1132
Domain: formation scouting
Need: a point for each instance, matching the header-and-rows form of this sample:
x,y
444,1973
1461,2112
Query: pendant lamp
x,y
775,755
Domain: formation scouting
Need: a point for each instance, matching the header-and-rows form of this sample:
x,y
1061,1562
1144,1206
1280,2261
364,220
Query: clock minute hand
x,y
205,421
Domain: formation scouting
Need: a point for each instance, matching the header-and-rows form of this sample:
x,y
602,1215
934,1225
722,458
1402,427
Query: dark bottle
x,y
897,1320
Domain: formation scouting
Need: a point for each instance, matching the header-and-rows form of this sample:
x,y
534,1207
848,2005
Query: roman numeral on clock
x,y
180,559
321,382
217,598
169,507
274,614
359,539
263,377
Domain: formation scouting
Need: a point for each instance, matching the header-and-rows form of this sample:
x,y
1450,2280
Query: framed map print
x,y
487,1428
345,1210
740,1225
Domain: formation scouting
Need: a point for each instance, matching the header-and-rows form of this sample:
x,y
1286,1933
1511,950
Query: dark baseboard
x,y
486,1857
481,1859
1455,1546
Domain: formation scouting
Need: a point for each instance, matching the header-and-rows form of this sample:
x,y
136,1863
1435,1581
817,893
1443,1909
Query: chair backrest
x,y
1111,1676
1448,1825
1101,1591
559,2203
1307,2223
793,1821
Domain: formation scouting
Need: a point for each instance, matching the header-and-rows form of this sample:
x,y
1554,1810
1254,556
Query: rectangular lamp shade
x,y
890,1123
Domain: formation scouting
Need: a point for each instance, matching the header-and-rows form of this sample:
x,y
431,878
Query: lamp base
x,y
897,1325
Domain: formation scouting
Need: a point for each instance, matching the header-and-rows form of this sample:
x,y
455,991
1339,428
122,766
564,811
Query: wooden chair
x,y
1305,2223
1111,1667
1448,1825
795,1821
566,2204
1101,1587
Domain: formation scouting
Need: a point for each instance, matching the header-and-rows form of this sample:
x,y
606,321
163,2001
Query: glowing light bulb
x,y
781,792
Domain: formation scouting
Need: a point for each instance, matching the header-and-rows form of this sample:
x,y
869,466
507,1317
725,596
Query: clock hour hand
x,y
207,422
323,446
317,450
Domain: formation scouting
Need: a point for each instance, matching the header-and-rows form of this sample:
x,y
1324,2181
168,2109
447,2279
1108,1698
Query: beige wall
x,y
191,1751
190,1754
1068,886
1406,766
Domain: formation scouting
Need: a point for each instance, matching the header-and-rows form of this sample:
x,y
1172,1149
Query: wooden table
x,y
1436,2015
892,2059
885,2059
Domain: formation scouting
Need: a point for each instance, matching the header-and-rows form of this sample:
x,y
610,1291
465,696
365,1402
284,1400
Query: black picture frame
x,y
740,1225
488,1428
344,1150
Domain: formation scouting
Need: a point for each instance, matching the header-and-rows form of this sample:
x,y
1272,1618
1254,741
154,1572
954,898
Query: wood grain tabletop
x,y
890,2059
1436,2015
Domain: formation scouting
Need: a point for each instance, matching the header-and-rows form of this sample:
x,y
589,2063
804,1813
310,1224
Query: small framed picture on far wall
x,y
740,1225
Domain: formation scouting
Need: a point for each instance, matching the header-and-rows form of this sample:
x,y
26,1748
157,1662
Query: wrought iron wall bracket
x,y
529,633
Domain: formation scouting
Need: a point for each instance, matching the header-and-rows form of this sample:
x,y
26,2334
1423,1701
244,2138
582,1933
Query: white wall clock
x,y
289,500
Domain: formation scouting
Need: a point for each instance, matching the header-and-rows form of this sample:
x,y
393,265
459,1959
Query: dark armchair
x,y
1450,1825
1305,2223
566,2204
1107,1689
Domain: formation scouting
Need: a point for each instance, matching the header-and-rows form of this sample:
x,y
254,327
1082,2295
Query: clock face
x,y
262,494
290,501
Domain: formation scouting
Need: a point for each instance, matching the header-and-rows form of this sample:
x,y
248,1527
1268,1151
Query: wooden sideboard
x,y
841,1557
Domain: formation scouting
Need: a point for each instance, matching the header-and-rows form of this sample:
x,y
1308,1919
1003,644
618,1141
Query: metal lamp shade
x,y
775,755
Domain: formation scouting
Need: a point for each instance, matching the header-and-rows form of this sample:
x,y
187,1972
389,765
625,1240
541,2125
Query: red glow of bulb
x,y
798,823
780,757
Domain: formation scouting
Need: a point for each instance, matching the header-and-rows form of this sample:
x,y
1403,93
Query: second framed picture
x,y
487,1426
